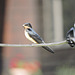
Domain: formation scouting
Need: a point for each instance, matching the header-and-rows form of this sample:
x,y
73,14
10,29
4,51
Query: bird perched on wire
x,y
34,37
70,36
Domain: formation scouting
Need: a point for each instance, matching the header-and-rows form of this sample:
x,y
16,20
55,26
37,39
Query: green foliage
x,y
65,70
39,72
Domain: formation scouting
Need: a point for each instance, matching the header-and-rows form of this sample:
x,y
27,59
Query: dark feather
x,y
35,36
48,49
38,39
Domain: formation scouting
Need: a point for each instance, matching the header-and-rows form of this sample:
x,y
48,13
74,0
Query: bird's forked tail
x,y
48,49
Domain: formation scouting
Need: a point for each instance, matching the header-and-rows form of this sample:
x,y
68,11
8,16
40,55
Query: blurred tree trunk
x,y
2,7
52,31
47,20
58,20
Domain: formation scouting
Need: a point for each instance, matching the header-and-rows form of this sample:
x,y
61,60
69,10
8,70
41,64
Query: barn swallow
x,y
34,37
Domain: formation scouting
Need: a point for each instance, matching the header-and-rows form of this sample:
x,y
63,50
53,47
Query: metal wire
x,y
33,45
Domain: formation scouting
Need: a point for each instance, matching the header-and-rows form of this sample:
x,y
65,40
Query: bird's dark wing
x,y
35,36
48,49
38,39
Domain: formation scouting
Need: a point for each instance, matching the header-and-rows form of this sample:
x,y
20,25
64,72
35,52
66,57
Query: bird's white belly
x,y
29,38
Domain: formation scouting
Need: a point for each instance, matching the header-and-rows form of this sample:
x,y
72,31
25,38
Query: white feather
x,y
28,37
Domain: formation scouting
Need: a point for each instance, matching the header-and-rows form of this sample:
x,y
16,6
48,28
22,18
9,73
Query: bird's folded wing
x,y
35,37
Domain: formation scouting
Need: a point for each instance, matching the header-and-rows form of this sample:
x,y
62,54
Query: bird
x,y
31,35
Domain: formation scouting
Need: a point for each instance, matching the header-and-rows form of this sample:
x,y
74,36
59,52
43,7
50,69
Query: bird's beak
x,y
25,26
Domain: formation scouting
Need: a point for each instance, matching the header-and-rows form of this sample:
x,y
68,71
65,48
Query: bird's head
x,y
27,25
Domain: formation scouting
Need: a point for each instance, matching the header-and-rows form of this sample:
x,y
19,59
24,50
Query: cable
x,y
33,45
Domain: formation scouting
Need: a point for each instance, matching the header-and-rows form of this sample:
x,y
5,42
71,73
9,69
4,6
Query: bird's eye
x,y
29,29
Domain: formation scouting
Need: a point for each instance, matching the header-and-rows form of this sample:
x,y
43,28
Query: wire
x,y
33,45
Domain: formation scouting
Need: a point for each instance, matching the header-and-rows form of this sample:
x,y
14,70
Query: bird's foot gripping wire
x,y
71,41
70,37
